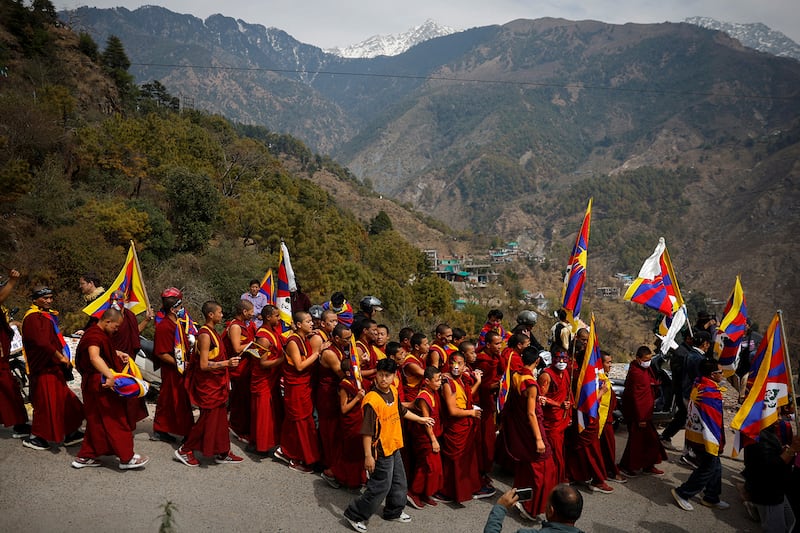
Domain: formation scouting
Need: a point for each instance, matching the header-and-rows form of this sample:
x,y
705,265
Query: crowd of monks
x,y
498,401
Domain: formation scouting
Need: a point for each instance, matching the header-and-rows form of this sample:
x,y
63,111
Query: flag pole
x,y
141,277
788,362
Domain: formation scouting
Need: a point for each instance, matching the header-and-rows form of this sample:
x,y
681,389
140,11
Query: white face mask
x,y
645,364
561,366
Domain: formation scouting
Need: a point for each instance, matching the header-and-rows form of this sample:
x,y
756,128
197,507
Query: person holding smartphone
x,y
564,508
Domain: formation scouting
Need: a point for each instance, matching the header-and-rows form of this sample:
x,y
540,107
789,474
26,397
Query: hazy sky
x,y
327,23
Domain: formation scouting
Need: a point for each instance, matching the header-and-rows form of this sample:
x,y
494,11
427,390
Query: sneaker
x,y
137,461
36,443
603,487
83,462
163,437
628,473
682,502
228,459
361,527
279,455
186,457
689,461
441,498
525,514
721,505
330,480
404,518
619,478
485,492
428,501
653,471
299,467
21,431
415,501
76,437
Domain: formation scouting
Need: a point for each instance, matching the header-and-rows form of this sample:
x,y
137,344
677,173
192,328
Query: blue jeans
x,y
707,478
387,481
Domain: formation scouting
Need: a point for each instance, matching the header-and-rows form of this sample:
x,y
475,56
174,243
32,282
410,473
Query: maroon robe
x,y
370,364
108,431
209,391
298,434
173,409
348,469
12,408
428,478
266,404
240,377
126,340
556,418
411,384
582,454
459,454
608,441
532,469
57,411
329,411
487,400
644,448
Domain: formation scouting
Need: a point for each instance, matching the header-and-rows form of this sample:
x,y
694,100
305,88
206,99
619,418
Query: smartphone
x,y
524,494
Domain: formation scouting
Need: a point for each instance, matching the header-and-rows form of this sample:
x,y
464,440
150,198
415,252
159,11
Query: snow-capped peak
x,y
757,36
392,45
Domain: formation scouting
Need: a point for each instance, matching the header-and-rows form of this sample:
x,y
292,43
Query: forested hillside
x,y
90,161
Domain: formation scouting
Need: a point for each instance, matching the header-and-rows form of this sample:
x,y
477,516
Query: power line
x,y
475,80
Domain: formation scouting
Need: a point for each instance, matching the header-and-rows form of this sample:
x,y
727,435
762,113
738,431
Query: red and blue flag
x,y
575,277
731,330
268,287
285,286
656,286
588,405
129,281
704,416
505,386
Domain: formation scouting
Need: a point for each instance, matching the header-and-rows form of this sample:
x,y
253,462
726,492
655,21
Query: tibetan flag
x,y
128,281
185,334
704,418
768,386
656,286
731,330
355,362
286,285
268,287
575,277
588,405
505,386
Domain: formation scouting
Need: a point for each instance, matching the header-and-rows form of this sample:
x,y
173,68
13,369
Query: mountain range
x,y
392,45
756,36
506,130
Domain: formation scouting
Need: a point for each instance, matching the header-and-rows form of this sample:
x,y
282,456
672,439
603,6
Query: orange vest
x,y
389,428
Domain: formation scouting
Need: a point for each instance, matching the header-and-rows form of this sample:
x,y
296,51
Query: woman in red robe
x,y
524,438
644,449
107,427
208,389
459,455
266,404
299,445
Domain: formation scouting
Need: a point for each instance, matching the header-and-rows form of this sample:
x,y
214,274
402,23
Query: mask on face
x,y
645,364
561,366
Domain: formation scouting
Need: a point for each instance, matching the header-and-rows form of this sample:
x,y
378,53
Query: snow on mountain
x,y
392,45
757,36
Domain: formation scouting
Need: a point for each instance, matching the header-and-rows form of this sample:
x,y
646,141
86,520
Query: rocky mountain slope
x,y
392,45
757,36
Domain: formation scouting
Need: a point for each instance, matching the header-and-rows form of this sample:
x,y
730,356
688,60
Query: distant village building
x,y
607,292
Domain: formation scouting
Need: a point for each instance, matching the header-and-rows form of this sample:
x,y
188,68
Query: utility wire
x,y
474,80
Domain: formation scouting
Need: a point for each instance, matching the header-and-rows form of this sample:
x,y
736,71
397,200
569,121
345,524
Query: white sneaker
x,y
137,461
721,505
361,527
525,514
682,502
404,518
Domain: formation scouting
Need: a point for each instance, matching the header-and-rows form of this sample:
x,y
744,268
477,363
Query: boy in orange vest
x,y
382,438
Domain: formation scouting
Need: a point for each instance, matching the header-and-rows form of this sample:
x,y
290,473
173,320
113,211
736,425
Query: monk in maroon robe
x,y
266,403
299,441
365,331
488,363
427,478
413,367
208,389
108,431
12,408
173,409
459,455
556,397
57,411
348,469
327,396
608,441
524,437
644,449
236,337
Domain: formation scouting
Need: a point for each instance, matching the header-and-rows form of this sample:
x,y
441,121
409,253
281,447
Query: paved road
x,y
39,491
